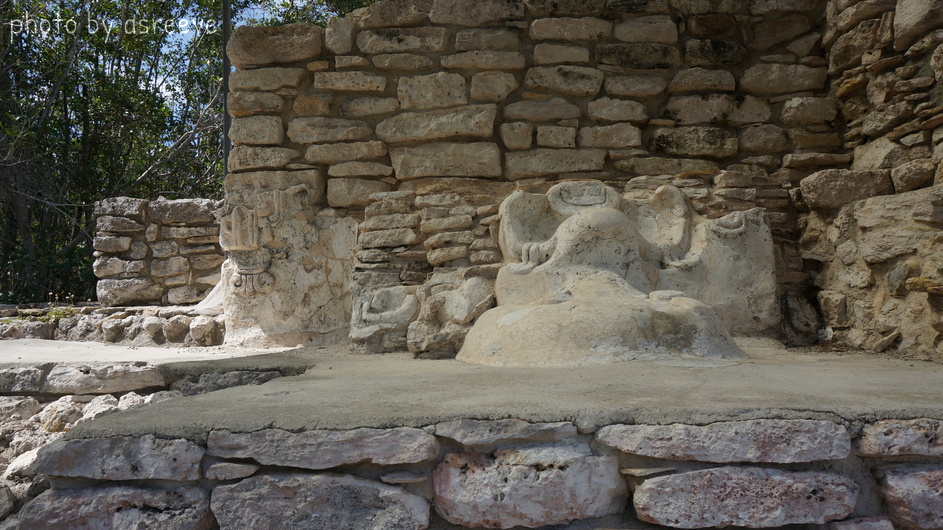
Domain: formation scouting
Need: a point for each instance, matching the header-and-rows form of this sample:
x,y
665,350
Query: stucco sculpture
x,y
594,278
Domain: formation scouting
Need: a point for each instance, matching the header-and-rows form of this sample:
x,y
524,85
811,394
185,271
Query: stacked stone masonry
x,y
162,252
501,474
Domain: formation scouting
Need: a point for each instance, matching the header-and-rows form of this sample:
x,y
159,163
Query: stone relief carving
x,y
592,277
377,314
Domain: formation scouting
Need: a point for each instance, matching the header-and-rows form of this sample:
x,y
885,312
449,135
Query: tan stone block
x,y
348,61
257,130
694,141
253,46
638,55
265,79
403,40
369,106
702,80
664,166
570,29
350,81
568,80
244,157
487,39
548,110
439,224
635,86
540,162
325,130
345,152
763,139
390,221
608,109
655,28
402,61
440,256
548,53
477,159
493,86
339,35
517,135
484,60
483,13
782,79
348,192
312,105
431,91
553,136
242,104
360,169
831,188
467,121
613,136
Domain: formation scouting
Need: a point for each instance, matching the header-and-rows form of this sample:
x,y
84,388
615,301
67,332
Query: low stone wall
x,y
503,474
156,252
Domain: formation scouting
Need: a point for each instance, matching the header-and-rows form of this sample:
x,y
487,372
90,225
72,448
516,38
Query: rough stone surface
x,y
474,121
119,507
265,79
913,18
295,500
326,449
744,496
250,47
427,39
326,130
772,441
553,484
914,496
350,81
475,159
432,91
480,435
831,188
570,29
568,80
552,109
695,141
538,162
485,13
352,192
768,79
345,152
122,458
102,379
922,437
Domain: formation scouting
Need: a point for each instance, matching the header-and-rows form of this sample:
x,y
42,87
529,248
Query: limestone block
x,y
655,28
111,244
805,160
484,60
441,256
885,119
350,81
122,458
847,50
257,130
635,86
913,19
763,139
863,523
539,162
467,121
664,166
831,188
119,507
784,29
182,211
102,379
482,435
913,175
325,130
701,7
486,39
248,103
485,12
402,61
339,35
638,6
476,159
542,8
121,206
402,40
230,471
369,106
265,79
808,111
517,135
764,7
608,109
254,46
744,496
534,487
431,91
548,53
619,135
702,80
318,449
24,407
804,46
27,380
782,78
553,136
493,86
642,56
922,437
694,141
913,496
344,61
308,105
713,52
390,221
547,110
128,292
568,80
107,223
717,108
397,237
771,441
395,13
570,29
455,222
169,266
108,266
344,152
360,169
296,500
179,232
348,192
244,157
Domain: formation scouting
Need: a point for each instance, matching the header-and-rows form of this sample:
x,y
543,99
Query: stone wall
x,y
156,252
871,238
501,474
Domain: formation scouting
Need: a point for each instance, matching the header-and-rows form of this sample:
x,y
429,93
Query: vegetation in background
x,y
108,98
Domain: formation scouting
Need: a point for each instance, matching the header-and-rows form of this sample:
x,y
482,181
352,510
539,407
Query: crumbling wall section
x,y
162,252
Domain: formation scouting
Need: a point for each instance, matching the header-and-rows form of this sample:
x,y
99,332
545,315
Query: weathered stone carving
x,y
596,278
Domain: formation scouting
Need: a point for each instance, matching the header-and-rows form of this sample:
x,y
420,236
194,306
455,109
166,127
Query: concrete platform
x,y
343,390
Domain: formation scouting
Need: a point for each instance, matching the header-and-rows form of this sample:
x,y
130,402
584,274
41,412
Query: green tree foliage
x,y
101,99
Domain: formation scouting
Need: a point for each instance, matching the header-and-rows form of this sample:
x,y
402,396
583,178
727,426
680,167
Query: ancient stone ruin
x,y
607,212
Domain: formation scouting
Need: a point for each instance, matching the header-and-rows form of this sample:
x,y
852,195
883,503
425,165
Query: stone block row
x,y
497,474
156,252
